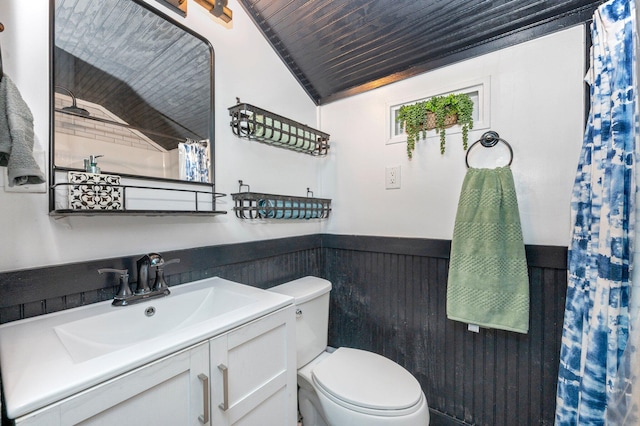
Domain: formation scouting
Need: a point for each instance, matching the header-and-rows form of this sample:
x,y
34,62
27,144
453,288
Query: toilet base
x,y
340,416
321,411
310,408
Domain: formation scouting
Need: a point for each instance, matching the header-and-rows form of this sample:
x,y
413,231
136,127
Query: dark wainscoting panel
x,y
389,296
32,292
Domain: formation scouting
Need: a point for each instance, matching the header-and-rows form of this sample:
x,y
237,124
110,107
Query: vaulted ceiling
x,y
334,48
339,48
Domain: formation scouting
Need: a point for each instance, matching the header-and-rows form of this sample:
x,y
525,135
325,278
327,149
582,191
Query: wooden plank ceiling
x,y
334,48
342,47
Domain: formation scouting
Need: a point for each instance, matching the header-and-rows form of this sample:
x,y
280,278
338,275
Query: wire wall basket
x,y
253,123
254,205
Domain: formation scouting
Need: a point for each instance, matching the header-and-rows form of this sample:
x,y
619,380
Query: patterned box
x,y
91,191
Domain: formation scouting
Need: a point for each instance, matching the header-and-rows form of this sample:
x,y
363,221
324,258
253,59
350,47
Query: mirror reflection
x,y
133,92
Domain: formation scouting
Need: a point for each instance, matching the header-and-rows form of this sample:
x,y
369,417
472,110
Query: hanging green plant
x,y
439,113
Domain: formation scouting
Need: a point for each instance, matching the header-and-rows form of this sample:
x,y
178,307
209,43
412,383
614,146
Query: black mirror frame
x,y
52,166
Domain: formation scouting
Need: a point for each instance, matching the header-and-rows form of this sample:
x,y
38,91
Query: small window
x,y
478,90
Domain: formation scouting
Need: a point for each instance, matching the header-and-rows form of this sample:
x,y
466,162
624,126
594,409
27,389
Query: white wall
x,y
246,66
536,103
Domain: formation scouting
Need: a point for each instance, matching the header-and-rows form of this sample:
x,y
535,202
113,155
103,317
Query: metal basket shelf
x,y
253,123
92,199
255,205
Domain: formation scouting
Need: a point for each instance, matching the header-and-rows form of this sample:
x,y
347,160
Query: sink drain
x,y
150,311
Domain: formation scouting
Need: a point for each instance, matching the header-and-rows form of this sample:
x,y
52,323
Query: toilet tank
x,y
311,296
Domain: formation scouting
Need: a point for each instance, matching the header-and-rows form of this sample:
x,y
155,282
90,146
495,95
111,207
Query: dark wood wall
x,y
389,296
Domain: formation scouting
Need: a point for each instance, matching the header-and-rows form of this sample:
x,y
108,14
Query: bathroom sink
x,y
99,334
50,357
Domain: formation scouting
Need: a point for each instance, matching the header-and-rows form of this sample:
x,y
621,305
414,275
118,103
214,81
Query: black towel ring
x,y
488,140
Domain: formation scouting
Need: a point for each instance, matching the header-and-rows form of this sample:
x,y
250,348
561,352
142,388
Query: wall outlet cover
x,y
392,177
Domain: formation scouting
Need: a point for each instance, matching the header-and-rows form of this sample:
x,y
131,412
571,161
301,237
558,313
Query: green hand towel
x,y
488,281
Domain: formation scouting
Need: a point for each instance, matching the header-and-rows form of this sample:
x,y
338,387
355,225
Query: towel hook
x,y
488,140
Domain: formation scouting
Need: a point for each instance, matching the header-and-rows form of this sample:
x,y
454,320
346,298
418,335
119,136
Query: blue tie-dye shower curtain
x,y
596,321
193,159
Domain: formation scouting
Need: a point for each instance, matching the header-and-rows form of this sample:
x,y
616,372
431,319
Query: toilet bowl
x,y
346,386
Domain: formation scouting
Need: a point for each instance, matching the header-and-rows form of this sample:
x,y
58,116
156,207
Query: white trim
x,y
480,87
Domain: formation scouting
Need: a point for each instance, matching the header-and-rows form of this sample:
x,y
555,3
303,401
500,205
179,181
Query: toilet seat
x,y
368,383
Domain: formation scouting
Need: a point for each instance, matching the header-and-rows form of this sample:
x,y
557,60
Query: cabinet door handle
x,y
204,418
224,406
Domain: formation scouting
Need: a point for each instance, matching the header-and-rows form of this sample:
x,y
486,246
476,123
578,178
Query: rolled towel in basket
x,y
278,209
281,133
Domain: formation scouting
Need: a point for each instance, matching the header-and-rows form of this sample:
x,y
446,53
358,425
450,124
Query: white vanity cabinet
x,y
165,392
251,367
253,370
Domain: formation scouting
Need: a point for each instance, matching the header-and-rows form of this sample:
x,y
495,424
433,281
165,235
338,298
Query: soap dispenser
x,y
91,164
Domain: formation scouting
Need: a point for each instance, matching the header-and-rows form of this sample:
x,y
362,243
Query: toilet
x,y
345,386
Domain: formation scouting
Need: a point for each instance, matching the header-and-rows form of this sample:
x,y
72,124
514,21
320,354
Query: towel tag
x,y
474,327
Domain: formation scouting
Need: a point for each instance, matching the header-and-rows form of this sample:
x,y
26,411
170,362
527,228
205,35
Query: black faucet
x,y
146,261
143,292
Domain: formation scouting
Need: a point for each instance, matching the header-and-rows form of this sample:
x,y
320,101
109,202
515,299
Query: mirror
x,y
132,86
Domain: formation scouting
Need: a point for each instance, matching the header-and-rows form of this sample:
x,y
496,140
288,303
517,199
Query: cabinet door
x,y
253,371
169,391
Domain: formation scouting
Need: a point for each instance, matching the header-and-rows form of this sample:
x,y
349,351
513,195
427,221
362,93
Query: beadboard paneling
x,y
390,299
389,296
32,292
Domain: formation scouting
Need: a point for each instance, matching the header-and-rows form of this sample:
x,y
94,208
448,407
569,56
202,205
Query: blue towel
x,y
277,209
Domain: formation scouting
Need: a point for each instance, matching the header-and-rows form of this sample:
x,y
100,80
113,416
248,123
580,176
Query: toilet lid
x,y
367,380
